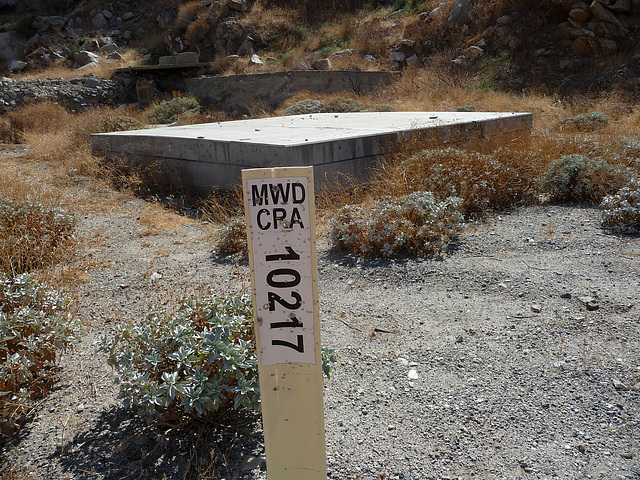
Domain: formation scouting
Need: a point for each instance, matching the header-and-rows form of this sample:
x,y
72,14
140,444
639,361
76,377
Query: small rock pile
x,y
598,27
76,94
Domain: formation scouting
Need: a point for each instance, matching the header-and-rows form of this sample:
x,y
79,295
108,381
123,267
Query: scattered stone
x,y
130,15
618,385
565,295
589,302
256,60
536,308
413,374
155,276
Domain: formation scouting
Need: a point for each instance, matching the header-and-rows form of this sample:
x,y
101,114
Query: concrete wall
x,y
240,92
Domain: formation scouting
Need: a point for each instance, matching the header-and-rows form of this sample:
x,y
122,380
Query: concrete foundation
x,y
208,156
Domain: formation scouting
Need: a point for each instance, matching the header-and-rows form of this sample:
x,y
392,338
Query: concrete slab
x,y
206,156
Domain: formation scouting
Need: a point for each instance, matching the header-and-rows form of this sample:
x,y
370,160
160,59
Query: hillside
x,y
559,46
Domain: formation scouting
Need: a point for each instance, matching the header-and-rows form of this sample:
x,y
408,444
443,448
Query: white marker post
x,y
280,213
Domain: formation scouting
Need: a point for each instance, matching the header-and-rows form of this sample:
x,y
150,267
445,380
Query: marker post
x,y
280,217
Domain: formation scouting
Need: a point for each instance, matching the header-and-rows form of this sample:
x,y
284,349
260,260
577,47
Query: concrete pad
x,y
207,156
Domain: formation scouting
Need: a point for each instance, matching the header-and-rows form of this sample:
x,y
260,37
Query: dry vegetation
x,y
507,175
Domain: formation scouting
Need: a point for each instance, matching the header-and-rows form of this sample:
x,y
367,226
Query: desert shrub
x,y
415,224
169,111
335,105
621,211
581,179
41,117
232,238
482,181
35,326
584,122
306,106
32,235
120,123
191,364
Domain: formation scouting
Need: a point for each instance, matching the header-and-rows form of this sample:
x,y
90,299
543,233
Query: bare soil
x,y
486,362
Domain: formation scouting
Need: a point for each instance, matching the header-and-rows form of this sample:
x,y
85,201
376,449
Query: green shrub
x,y
584,122
191,364
169,111
35,325
232,238
581,179
621,212
32,235
120,123
411,224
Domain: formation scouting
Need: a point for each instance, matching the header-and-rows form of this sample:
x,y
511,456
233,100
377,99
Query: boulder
x,y
459,14
99,20
413,60
85,57
17,65
12,45
129,15
163,19
579,12
238,5
52,24
621,6
603,14
323,64
246,48
397,57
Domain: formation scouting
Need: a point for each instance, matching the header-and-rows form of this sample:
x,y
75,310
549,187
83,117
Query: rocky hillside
x,y
512,44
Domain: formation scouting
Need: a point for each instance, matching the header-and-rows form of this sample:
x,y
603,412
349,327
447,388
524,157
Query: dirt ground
x,y
515,354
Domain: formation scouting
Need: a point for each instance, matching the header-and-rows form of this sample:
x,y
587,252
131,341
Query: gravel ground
x,y
487,362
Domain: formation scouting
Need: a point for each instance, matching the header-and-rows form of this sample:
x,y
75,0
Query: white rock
x,y
413,374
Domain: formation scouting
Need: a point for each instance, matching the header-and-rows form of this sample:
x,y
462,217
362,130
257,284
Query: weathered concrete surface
x,y
207,156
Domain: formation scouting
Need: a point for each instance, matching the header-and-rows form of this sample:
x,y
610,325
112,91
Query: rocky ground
x,y
516,354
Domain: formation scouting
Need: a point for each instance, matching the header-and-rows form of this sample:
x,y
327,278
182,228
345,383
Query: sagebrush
x,y
413,224
36,325
621,211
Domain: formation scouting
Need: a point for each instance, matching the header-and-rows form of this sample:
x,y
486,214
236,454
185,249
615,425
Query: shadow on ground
x,y
120,446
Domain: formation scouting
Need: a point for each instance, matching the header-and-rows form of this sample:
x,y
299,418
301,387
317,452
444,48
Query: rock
x,y
256,60
99,21
110,48
580,12
129,15
115,56
413,374
603,14
589,302
618,385
17,65
155,276
413,60
607,46
85,57
163,18
246,48
341,53
323,64
127,35
372,59
621,6
51,24
459,14
238,5
397,57
12,45
536,308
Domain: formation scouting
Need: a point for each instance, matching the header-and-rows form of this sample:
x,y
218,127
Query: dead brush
x,y
33,236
